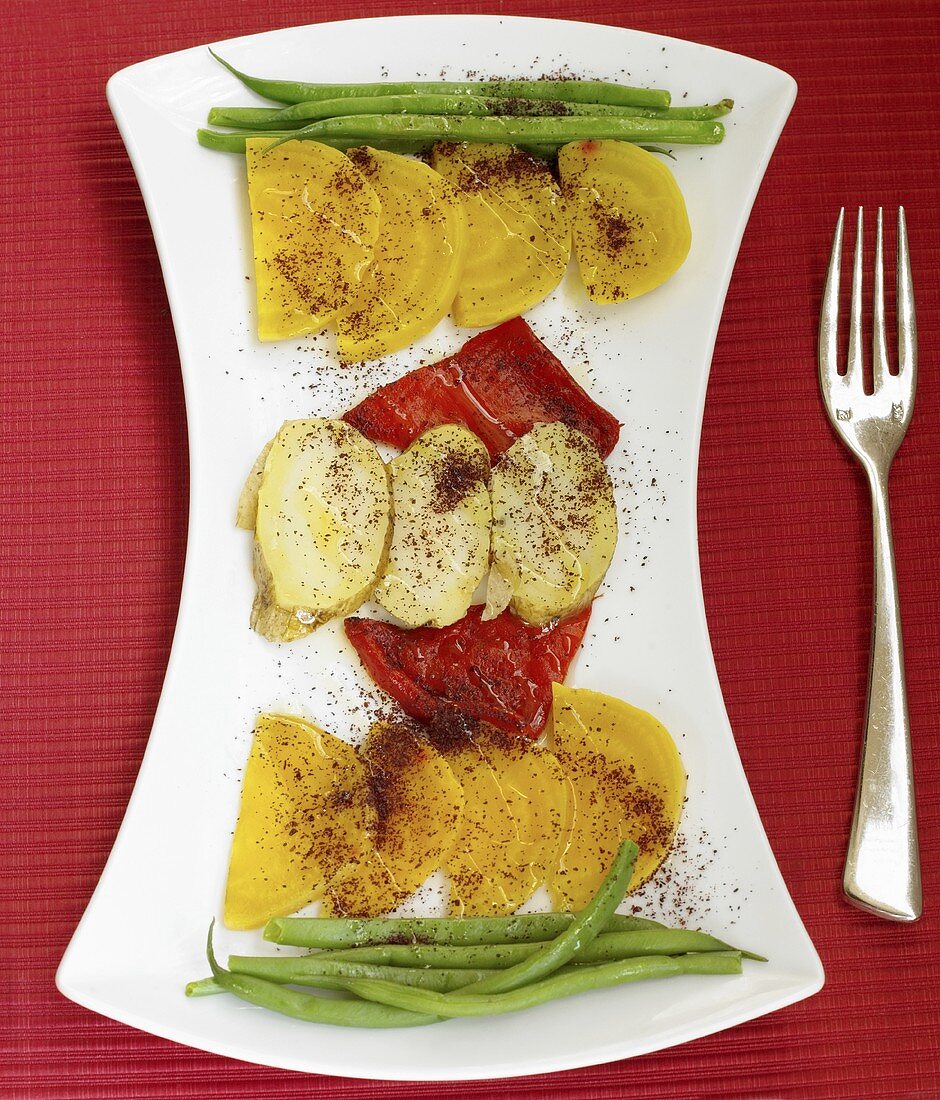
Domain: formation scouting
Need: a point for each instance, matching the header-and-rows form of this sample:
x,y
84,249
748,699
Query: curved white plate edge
x,y
463,17
82,997
747,207
678,1036
182,609
62,980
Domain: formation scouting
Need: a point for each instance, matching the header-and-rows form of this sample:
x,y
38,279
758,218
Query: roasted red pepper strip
x,y
399,412
499,671
498,385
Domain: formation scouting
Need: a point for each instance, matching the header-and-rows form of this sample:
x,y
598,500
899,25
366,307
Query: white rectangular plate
x,y
143,933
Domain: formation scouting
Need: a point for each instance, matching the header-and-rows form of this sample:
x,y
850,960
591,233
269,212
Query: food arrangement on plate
x,y
352,230
483,542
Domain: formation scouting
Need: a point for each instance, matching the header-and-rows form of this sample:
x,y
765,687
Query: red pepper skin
x,y
500,671
499,384
421,399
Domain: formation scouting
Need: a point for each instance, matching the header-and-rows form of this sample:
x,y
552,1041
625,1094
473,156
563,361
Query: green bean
x,y
263,118
605,948
255,119
701,113
575,980
580,91
372,129
204,987
537,108
582,931
313,969
235,143
272,118
340,932
309,1007
331,974
543,152
666,941
492,956
609,947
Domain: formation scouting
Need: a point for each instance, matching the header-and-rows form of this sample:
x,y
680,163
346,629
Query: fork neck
x,y
877,473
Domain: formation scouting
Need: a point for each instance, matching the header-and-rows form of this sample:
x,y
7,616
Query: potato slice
x,y
419,805
419,256
515,811
314,220
631,229
518,229
322,529
628,782
554,525
441,538
305,811
247,510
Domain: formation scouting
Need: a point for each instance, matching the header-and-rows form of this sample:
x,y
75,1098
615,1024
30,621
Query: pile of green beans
x,y
410,972
538,115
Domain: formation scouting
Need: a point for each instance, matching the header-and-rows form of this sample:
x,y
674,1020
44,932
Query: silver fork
x,y
882,868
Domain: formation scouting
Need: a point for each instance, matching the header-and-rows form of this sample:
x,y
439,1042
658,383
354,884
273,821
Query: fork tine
x,y
879,347
829,315
907,322
853,373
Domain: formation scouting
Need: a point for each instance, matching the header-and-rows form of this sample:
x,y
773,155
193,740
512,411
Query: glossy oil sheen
x,y
419,255
517,225
628,783
314,223
302,817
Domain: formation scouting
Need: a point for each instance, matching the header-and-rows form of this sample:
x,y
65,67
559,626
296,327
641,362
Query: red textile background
x,y
94,495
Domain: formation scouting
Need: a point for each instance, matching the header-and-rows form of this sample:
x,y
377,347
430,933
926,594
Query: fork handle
x,y
882,868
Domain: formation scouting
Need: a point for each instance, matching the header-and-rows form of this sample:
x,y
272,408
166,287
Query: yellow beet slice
x,y
628,217
419,256
518,229
419,804
516,803
628,782
314,220
304,813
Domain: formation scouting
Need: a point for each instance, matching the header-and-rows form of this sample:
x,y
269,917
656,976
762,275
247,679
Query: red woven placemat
x,y
94,500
